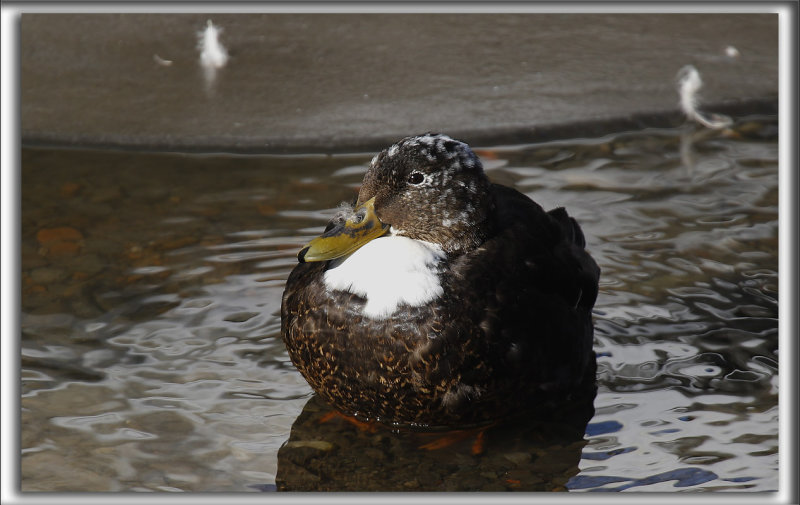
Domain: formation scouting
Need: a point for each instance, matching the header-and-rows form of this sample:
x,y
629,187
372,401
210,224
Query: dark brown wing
x,y
531,289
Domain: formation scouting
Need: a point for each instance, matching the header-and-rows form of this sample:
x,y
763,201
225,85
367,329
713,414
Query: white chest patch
x,y
389,271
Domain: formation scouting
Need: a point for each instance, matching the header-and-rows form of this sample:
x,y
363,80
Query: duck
x,y
440,299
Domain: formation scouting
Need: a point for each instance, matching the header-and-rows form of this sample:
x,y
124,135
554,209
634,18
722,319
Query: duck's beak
x,y
345,235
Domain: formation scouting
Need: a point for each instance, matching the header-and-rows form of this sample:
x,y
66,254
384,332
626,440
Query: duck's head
x,y
427,187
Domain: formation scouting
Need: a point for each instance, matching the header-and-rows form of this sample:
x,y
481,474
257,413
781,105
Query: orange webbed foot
x,y
452,437
367,426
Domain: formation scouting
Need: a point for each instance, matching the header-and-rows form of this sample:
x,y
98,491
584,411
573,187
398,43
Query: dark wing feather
x,y
532,286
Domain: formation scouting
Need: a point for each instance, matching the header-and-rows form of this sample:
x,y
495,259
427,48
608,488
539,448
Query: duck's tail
x,y
571,229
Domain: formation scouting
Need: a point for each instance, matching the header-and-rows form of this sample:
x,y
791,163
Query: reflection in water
x,y
152,360
327,452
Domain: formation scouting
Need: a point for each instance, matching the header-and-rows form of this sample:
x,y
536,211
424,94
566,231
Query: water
x,y
151,357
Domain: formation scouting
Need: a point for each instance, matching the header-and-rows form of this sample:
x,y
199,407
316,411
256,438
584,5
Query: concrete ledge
x,y
589,128
336,82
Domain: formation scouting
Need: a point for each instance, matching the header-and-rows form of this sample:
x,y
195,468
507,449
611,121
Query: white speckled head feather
x,y
433,188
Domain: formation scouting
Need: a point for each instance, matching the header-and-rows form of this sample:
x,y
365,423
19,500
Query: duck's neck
x,y
469,231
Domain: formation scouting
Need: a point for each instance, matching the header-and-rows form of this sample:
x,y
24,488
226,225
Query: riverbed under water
x,y
152,359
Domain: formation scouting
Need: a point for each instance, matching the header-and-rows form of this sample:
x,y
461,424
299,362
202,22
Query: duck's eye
x,y
415,178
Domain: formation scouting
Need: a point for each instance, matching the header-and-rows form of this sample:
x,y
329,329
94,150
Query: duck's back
x,y
537,286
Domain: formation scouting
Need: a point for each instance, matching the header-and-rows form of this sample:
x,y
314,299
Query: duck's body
x,y
485,317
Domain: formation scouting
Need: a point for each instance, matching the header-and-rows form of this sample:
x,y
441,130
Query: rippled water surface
x,y
151,355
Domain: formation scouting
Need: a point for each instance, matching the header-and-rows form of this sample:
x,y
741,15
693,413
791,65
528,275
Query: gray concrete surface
x,y
333,82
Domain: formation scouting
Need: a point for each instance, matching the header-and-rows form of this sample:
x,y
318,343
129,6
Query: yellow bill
x,y
345,235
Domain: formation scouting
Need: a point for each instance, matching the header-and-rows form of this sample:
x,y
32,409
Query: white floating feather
x,y
212,53
732,52
161,61
689,83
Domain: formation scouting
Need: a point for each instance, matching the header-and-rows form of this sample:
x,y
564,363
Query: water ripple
x,y
152,359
